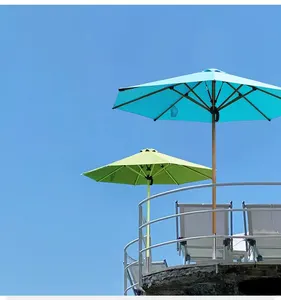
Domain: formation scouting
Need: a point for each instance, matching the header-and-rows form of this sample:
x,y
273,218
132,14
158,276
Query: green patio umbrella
x,y
150,167
208,96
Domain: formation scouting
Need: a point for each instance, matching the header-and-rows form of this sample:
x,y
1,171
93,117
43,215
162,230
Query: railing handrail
x,y
130,243
131,264
208,211
202,186
130,287
211,236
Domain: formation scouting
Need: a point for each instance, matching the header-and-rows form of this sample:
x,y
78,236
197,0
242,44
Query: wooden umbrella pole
x,y
214,175
214,167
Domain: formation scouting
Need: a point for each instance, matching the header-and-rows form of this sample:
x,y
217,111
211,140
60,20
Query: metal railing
x,y
127,266
142,224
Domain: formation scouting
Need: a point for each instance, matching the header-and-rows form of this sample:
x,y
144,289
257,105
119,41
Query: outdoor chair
x,y
265,226
200,224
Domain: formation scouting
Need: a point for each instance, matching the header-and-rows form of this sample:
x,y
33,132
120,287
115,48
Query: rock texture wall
x,y
222,279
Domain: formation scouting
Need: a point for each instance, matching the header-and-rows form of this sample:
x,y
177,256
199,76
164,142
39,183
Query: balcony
x,y
243,258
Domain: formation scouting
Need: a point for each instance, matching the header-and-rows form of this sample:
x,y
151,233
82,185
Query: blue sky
x,y
60,68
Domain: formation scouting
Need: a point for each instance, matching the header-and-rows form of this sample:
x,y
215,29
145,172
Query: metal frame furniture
x,y
264,222
198,224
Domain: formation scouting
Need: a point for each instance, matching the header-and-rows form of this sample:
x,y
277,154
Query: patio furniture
x,y
199,224
263,221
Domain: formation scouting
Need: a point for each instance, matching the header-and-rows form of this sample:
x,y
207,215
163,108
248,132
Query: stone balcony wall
x,y
221,279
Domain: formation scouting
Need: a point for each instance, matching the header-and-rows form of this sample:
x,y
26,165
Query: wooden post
x,y
214,163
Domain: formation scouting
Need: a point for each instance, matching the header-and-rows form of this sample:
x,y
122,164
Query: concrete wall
x,y
222,279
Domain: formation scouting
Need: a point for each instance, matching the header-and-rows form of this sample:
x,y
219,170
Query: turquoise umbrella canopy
x,y
189,98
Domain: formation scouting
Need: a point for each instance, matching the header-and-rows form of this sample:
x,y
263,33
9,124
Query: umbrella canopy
x,y
190,98
207,96
150,167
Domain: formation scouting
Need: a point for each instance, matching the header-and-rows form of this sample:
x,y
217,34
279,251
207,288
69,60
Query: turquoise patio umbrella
x,y
209,96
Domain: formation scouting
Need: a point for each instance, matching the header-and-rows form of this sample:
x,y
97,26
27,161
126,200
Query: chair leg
x,y
252,246
186,256
246,257
227,250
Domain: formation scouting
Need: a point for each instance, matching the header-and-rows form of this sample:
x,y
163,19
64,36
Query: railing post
x,y
214,247
245,223
177,225
140,246
125,273
231,224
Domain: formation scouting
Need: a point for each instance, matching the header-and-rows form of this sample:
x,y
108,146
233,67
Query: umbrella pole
x,y
148,226
214,168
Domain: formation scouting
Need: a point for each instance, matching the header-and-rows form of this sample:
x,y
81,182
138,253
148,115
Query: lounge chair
x,y
266,224
200,224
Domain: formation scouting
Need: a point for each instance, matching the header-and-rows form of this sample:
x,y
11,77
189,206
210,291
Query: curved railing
x,y
127,266
143,225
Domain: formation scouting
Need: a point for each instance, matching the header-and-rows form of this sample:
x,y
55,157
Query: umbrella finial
x,y
148,150
213,70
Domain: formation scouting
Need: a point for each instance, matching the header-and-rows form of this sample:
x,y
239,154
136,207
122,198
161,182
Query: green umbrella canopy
x,y
150,166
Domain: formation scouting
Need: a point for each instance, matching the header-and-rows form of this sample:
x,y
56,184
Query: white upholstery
x,y
200,224
239,251
265,223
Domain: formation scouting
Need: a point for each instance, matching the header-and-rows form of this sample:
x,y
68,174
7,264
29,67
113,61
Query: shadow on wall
x,y
260,286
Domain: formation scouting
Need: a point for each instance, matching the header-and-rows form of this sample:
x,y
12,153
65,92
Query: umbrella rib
x,y
131,169
219,91
151,171
268,93
253,105
257,109
142,170
197,172
236,90
198,97
137,179
208,91
191,99
144,96
161,170
236,99
139,174
170,175
126,88
159,116
111,173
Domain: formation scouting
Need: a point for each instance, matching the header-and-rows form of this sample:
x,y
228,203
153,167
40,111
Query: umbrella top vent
x,y
213,70
148,150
